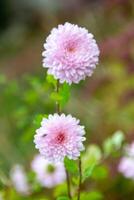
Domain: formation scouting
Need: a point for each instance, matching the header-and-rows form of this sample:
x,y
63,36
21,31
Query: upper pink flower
x,y
60,136
70,54
48,175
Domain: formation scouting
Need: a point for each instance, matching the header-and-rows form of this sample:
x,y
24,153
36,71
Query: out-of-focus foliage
x,y
22,105
113,144
93,195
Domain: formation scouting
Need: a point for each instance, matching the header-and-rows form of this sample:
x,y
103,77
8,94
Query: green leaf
x,y
64,93
113,143
31,97
89,160
63,198
4,179
60,190
108,146
32,180
63,96
75,180
93,195
31,176
117,139
38,119
92,156
71,165
100,172
56,96
87,172
50,79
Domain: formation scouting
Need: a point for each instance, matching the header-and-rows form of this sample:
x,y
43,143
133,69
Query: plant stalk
x,y
58,110
80,179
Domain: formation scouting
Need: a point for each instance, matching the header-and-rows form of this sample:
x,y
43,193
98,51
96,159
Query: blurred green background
x,y
104,102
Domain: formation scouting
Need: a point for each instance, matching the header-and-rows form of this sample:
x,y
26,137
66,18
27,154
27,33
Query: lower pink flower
x,y
60,136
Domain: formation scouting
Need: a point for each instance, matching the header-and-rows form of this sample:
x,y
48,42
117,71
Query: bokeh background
x,y
104,102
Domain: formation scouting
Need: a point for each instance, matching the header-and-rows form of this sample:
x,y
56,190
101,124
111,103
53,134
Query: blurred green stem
x,y
80,179
7,193
58,110
68,184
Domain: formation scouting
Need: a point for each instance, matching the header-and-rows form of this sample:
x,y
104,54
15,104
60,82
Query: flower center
x,y
50,169
71,47
60,138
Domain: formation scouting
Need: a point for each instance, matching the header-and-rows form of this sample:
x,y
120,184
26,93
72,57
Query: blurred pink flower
x,y
60,136
48,174
19,180
126,165
130,150
70,54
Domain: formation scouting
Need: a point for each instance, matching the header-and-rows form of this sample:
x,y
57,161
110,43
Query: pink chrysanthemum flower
x,y
70,54
60,136
48,174
126,165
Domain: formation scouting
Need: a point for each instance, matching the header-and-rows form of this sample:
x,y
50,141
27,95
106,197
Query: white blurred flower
x,y
48,174
126,165
19,180
130,150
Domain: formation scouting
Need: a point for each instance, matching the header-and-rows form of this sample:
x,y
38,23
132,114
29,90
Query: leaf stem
x,y
58,110
80,179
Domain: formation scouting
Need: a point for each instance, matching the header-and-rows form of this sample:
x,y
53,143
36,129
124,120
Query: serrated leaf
x,y
71,165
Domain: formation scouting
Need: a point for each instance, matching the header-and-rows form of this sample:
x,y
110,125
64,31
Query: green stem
x,y
57,102
7,193
80,179
58,110
68,184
